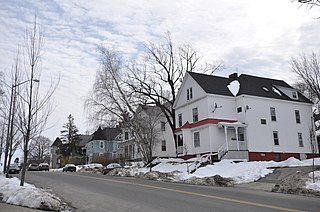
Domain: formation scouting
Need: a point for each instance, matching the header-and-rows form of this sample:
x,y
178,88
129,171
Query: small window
x,y
163,145
163,126
239,109
180,119
294,95
273,114
263,121
297,113
195,114
263,154
300,139
101,144
189,93
196,139
275,138
126,135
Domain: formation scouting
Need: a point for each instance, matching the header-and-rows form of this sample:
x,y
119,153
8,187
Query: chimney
x,y
233,76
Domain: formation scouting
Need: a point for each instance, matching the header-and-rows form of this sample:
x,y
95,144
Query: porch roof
x,y
231,124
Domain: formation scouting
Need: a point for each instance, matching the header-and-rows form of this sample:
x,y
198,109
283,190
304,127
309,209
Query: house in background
x,y
103,144
55,157
78,158
242,117
164,145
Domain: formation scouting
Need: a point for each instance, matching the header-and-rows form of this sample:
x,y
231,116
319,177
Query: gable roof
x,y
105,134
56,142
249,85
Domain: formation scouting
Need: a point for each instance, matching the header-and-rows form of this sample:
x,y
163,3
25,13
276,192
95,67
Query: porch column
x,y
226,136
236,129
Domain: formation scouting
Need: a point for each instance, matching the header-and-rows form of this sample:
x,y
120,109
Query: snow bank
x,y
313,185
28,195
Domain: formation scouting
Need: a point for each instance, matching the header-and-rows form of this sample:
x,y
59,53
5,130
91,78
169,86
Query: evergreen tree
x,y
69,136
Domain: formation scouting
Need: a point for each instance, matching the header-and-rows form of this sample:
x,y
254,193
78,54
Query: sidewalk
x,y
13,208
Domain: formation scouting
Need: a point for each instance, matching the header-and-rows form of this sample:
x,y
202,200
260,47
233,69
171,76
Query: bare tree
x,y
33,109
307,68
39,150
309,3
158,77
112,100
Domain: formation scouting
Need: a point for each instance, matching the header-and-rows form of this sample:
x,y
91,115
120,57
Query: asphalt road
x,y
95,192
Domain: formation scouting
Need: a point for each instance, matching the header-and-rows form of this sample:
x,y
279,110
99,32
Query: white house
x,y
163,146
243,117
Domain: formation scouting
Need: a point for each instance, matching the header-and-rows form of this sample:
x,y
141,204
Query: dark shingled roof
x,y
83,140
249,85
105,134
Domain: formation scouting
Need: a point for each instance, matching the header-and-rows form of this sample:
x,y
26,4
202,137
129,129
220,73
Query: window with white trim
x,y
196,139
275,138
195,114
297,114
189,93
300,139
180,119
273,114
163,145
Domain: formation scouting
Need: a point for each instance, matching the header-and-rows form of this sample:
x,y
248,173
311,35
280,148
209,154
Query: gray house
x,y
55,157
103,145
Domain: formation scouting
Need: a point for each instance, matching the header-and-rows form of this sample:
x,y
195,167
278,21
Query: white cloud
x,y
253,37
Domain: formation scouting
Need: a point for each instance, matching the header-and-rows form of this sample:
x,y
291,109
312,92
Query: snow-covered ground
x,y
242,172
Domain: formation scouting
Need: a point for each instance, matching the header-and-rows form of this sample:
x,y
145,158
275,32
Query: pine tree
x,y
69,136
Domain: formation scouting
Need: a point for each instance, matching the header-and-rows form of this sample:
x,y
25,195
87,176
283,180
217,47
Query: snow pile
x,y
313,185
243,172
28,195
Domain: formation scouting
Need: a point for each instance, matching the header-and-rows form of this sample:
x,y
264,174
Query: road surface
x,y
96,192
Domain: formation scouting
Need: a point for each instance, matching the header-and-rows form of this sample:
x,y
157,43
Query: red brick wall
x,y
257,156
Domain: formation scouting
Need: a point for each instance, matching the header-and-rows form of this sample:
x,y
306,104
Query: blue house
x,y
103,144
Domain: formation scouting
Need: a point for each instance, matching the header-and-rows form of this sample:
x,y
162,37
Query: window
x,y
189,93
239,109
241,136
163,145
163,126
294,95
263,121
196,139
180,140
297,113
195,114
101,144
126,135
275,138
273,114
180,119
300,139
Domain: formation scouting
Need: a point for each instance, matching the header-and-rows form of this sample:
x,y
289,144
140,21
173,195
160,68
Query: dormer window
x,y
294,95
189,93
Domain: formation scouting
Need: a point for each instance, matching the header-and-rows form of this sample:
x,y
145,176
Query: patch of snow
x,y
28,195
313,185
276,91
234,87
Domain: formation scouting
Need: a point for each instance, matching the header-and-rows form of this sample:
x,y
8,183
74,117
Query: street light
x,y
10,122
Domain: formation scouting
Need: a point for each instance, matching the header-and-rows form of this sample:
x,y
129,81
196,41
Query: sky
x,y
249,36
243,172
